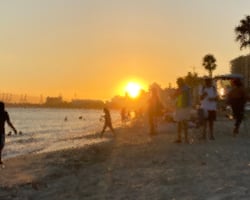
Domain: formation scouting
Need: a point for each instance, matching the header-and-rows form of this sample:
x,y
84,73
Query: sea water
x,y
48,129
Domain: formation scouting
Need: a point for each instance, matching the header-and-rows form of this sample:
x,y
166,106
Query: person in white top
x,y
209,97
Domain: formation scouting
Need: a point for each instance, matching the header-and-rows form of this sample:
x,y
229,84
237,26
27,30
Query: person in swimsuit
x,y
4,117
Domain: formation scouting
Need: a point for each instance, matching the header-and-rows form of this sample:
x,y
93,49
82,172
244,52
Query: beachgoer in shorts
x,y
107,121
4,117
237,98
208,97
124,116
182,112
154,110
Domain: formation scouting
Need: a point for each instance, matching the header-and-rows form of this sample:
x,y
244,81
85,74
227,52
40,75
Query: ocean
x,y
48,129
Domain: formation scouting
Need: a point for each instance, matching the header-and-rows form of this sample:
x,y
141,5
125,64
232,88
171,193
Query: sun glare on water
x,y
133,89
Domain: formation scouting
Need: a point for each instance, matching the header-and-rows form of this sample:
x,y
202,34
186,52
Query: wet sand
x,y
136,166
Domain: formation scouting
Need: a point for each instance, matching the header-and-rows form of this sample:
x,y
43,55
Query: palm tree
x,y
209,63
243,32
243,36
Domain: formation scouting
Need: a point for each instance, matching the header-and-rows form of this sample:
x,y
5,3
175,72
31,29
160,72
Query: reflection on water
x,y
47,130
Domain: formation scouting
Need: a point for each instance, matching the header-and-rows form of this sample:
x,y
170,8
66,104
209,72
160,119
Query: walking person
x,y
4,117
209,97
107,121
154,110
124,115
183,107
237,98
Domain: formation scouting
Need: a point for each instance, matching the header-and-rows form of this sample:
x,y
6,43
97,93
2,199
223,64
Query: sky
x,y
90,48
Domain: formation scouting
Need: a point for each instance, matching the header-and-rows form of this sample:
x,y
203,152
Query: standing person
x,y
237,98
182,113
154,110
124,116
107,121
209,97
4,117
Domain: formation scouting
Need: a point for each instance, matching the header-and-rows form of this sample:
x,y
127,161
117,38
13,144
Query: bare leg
x,y
1,162
211,129
112,129
204,133
179,129
103,130
185,128
155,124
151,124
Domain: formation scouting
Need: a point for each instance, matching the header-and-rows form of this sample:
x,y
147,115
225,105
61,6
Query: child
x,y
107,121
4,117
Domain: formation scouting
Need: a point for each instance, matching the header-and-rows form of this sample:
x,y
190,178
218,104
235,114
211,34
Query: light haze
x,y
87,49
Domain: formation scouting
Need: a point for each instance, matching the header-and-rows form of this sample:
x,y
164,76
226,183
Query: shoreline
x,y
136,166
48,130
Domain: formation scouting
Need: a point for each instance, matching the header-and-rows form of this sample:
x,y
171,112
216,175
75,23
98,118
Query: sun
x,y
133,89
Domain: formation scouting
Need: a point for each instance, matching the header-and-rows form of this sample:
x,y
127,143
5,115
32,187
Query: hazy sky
x,y
88,48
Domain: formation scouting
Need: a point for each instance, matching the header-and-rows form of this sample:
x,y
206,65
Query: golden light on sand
x,y
133,89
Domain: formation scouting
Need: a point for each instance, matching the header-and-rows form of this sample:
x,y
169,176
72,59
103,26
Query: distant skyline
x,y
90,49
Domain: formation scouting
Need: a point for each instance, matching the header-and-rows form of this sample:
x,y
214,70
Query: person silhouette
x,y
107,121
182,112
154,110
124,116
237,98
209,98
4,117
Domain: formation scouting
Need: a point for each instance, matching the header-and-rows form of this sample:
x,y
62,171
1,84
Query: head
x,y
180,82
105,110
236,82
2,107
208,81
153,91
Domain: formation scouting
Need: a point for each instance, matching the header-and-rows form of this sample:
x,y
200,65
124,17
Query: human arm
x,y
213,95
203,93
245,95
11,125
213,98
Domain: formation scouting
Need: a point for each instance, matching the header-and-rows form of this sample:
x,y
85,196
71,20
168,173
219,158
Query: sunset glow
x,y
133,89
92,49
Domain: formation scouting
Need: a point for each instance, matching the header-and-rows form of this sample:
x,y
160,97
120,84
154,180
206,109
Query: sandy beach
x,y
136,166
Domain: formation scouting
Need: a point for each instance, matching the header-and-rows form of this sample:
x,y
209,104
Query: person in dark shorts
x,y
4,117
107,121
209,97
237,99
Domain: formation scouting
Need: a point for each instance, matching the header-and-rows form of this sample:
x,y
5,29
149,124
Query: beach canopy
x,y
229,76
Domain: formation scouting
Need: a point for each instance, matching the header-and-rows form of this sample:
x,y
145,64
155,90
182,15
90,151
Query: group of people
x,y
236,98
4,118
207,111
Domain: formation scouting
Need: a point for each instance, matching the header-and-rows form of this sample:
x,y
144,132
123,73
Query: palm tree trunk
x,y
210,74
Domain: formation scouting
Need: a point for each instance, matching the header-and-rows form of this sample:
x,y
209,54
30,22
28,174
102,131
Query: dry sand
x,y
136,166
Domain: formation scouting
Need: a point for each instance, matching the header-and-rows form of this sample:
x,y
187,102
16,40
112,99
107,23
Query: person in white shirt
x,y
209,97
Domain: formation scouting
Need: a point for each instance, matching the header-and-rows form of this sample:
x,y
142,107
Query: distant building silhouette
x,y
54,101
241,65
87,103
